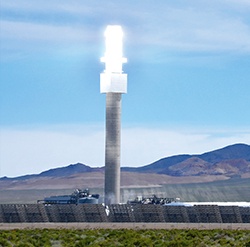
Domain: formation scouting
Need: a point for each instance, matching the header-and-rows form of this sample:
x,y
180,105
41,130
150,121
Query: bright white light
x,y
113,55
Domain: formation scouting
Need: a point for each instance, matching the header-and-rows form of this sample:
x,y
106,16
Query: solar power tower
x,y
113,82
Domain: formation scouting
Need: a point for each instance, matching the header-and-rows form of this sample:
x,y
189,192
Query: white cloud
x,y
51,7
193,29
26,31
237,3
197,26
35,150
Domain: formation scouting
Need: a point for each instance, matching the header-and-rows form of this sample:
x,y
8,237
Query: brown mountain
x,y
231,167
231,161
197,167
193,166
238,153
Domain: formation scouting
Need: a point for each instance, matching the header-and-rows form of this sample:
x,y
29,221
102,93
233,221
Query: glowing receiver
x,y
112,80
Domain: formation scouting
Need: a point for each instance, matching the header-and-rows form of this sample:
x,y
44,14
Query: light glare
x,y
113,55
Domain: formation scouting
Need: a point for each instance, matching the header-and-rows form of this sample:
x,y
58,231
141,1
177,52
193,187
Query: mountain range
x,y
219,175
230,161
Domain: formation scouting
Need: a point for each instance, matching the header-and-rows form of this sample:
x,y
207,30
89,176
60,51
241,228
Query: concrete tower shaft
x,y
113,148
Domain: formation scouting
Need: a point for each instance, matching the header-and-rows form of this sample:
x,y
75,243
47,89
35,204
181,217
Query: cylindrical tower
x,y
113,148
113,82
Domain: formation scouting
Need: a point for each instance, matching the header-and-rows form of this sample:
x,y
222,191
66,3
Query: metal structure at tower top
x,y
113,82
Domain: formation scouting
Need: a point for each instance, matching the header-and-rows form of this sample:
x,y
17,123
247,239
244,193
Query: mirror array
x,y
13,213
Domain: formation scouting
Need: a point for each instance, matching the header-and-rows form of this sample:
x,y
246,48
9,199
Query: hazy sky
x,y
188,80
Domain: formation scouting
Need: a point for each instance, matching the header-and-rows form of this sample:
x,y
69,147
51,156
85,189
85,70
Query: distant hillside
x,y
160,165
233,160
230,161
59,172
68,170
232,152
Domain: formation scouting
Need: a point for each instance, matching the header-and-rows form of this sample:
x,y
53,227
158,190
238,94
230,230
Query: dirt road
x,y
136,226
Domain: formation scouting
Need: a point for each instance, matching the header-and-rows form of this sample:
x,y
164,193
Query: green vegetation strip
x,y
123,237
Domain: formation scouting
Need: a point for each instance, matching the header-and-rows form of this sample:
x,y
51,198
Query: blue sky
x,y
188,80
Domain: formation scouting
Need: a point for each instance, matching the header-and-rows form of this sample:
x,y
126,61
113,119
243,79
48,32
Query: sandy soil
x,y
96,180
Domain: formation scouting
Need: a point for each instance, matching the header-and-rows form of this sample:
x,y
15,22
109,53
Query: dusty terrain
x,y
96,180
